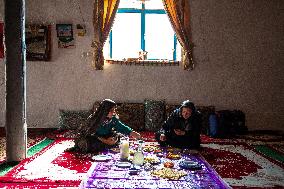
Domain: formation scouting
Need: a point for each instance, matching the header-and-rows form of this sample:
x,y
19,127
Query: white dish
x,y
190,165
123,164
189,162
102,157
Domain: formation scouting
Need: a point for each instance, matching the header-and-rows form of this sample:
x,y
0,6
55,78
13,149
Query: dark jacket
x,y
191,126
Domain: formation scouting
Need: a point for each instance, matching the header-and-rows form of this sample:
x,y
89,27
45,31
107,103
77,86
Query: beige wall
x,y
238,54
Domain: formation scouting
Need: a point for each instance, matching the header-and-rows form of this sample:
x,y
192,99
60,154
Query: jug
x,y
138,158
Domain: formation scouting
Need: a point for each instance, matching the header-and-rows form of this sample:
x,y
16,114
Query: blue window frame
x,y
156,38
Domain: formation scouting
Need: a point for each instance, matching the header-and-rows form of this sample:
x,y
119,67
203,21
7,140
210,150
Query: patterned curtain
x,y
178,13
103,18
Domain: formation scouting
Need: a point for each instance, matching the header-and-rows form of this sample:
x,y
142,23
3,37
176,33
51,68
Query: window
x,y
142,26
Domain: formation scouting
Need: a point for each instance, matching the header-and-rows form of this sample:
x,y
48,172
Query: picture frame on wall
x,y
38,42
65,36
81,30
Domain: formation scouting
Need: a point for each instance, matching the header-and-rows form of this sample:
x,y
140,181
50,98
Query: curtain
x,y
178,13
103,18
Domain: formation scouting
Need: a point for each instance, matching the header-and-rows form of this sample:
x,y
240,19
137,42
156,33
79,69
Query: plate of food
x,y
169,173
171,155
158,150
173,150
152,160
148,148
160,155
188,164
101,157
169,164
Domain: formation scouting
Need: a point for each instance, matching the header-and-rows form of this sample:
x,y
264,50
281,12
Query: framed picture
x,y
81,30
65,36
38,42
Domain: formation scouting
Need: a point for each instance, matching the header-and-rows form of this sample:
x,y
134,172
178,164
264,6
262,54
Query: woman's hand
x,y
179,132
163,137
135,134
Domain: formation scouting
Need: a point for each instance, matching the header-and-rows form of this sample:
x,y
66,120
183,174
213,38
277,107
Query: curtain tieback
x,y
187,52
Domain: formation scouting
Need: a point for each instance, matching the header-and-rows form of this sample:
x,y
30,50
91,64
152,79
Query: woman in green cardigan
x,y
101,130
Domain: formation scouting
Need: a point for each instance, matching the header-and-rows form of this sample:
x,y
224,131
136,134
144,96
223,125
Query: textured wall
x,y
238,54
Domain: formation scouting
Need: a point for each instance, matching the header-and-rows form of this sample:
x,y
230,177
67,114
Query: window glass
x,y
178,51
126,36
130,4
159,41
106,50
154,4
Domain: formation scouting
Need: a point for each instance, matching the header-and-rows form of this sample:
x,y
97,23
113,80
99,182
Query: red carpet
x,y
42,170
241,166
35,135
236,162
30,142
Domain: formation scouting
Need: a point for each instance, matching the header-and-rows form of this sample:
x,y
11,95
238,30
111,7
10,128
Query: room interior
x,y
237,59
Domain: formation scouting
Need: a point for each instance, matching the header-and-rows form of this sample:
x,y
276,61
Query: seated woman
x,y
182,128
99,132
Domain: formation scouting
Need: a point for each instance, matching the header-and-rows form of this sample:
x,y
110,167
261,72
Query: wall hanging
x,y
65,36
38,42
81,30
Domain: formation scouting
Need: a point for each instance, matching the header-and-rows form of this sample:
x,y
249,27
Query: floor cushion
x,y
132,114
72,119
154,114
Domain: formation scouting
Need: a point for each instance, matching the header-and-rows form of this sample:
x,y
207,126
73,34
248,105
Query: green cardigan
x,y
106,129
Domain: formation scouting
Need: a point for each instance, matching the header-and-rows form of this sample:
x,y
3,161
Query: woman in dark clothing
x,y
100,130
182,128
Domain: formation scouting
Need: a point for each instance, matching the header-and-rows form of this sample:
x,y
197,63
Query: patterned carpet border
x,y
270,153
6,167
39,185
34,170
30,143
241,166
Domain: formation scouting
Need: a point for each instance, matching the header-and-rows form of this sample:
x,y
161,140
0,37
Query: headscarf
x,y
188,104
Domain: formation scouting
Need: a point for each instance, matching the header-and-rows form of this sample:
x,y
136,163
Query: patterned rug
x,y
274,152
30,142
52,167
278,147
34,136
239,164
60,168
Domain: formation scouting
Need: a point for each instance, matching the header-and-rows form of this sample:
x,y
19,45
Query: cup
x,y
124,148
